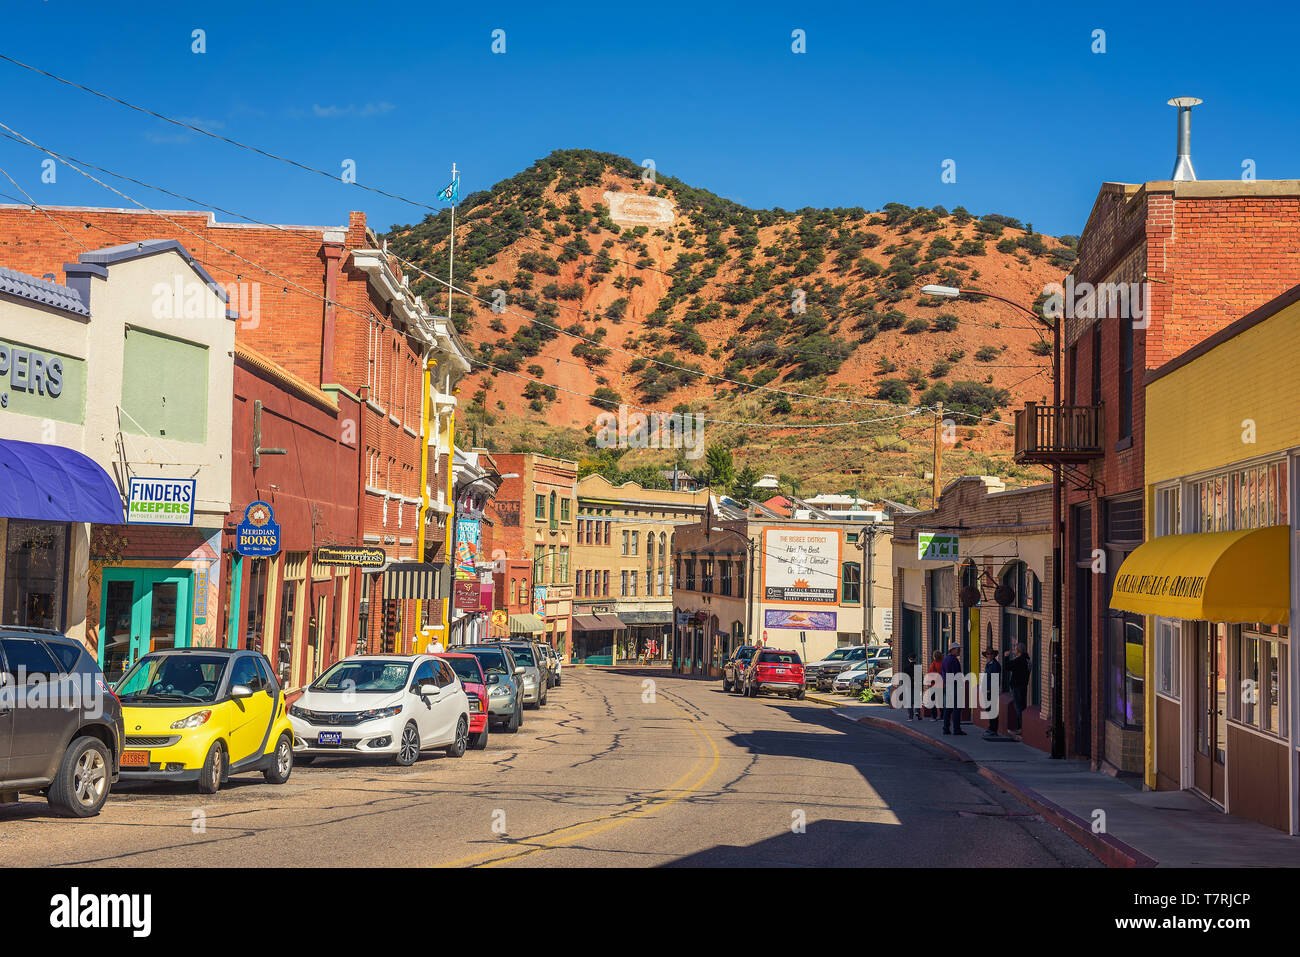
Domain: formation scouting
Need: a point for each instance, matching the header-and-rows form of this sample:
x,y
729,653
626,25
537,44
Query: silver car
x,y
529,655
504,683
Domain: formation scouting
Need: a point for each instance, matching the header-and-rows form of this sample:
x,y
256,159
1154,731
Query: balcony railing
x,y
1049,434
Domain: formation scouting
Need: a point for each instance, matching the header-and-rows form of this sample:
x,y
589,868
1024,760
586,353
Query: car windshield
x,y
837,654
369,675
493,662
173,678
466,669
524,655
778,658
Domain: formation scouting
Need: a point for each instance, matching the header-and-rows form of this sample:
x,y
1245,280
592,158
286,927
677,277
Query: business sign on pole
x,y
201,595
937,547
160,501
258,535
351,556
467,547
467,594
539,601
801,565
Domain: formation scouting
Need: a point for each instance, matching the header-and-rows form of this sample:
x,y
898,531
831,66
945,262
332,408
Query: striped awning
x,y
416,580
526,624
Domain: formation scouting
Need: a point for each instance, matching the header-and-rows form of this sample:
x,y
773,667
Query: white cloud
x,y
368,109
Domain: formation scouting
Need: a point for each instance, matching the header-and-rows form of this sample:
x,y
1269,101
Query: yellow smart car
x,y
202,714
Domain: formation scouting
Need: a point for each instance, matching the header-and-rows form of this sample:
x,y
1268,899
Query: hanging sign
x,y
467,595
258,534
160,501
357,556
937,547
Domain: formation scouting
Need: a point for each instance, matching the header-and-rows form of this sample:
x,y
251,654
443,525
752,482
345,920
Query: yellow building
x,y
623,567
1214,576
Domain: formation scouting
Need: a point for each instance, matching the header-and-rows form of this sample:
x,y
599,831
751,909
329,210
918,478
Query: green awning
x,y
526,624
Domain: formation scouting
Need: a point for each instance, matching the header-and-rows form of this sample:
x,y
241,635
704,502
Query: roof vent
x,y
1183,165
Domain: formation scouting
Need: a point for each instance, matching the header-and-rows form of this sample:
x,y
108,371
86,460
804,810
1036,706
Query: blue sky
x,y
885,93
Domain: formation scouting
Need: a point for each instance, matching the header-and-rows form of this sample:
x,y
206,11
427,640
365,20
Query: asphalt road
x,y
619,769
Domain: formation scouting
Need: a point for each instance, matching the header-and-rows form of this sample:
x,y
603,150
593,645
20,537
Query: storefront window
x,y
35,571
1258,660
256,627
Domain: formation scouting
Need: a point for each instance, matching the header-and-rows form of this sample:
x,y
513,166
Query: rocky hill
x,y
596,282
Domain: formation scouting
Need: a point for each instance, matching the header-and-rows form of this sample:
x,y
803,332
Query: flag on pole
x,y
452,193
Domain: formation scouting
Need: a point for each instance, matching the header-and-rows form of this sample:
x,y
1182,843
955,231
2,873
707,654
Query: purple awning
x,y
49,483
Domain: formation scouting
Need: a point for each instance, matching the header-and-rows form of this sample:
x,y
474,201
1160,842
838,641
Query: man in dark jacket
x,y
1018,681
951,676
993,682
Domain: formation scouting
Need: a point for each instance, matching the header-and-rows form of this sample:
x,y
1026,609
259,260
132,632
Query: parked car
x,y
527,654
545,664
733,671
504,683
199,715
557,664
472,679
391,705
853,680
882,682
833,664
780,672
71,751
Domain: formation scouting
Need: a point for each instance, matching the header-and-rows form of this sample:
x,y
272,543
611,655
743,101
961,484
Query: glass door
x,y
142,610
1211,705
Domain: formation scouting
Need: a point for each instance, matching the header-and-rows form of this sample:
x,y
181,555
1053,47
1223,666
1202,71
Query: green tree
x,y
742,487
719,467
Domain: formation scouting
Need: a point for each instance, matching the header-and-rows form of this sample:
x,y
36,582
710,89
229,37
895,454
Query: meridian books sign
x,y
258,535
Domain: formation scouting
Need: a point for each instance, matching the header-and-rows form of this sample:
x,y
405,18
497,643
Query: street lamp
x,y
1058,719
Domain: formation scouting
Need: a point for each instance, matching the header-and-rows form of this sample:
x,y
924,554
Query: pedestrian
x,y
951,674
434,647
1019,682
914,687
993,682
936,668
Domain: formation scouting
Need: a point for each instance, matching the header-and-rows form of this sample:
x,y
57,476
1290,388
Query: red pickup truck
x,y
780,672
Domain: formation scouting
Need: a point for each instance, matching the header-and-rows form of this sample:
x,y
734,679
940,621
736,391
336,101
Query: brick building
x,y
537,506
1004,539
329,306
1191,257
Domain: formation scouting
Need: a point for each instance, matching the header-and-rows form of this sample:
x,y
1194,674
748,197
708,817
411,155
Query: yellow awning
x,y
1210,576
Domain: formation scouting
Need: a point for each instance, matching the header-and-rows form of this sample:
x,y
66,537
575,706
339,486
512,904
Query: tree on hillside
x,y
742,487
719,468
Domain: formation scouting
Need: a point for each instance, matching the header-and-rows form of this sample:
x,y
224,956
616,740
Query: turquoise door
x,y
142,610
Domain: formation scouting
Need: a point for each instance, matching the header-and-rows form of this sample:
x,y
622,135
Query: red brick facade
x,y
1210,252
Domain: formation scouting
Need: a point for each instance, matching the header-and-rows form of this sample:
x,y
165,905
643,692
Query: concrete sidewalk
x,y
1142,828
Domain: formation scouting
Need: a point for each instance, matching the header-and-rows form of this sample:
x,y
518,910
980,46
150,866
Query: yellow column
x,y
451,522
425,405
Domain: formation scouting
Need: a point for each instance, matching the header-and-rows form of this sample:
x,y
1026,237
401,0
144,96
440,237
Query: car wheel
x,y
281,762
457,748
799,695
479,741
408,749
80,786
726,686
542,701
516,719
214,769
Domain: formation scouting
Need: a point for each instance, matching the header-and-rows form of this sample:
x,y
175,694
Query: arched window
x,y
659,580
1022,622
650,563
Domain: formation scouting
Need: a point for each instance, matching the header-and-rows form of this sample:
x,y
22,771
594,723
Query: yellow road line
x,y
606,821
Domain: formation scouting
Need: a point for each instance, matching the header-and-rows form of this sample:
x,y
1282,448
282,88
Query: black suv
x,y
61,728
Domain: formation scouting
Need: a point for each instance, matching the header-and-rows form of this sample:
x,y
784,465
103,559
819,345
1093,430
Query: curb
x,y
1110,850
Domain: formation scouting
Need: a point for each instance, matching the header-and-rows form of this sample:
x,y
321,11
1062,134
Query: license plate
x,y
330,737
135,759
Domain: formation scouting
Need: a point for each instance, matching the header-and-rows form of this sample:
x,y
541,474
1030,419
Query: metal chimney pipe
x,y
1183,164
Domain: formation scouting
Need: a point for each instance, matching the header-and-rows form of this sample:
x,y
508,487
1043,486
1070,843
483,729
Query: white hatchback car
x,y
394,705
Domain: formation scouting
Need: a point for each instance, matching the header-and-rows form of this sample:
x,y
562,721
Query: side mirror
x,y
519,669
241,691
428,689
493,678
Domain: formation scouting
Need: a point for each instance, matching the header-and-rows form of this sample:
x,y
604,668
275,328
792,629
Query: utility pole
x,y
869,618
451,245
938,453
